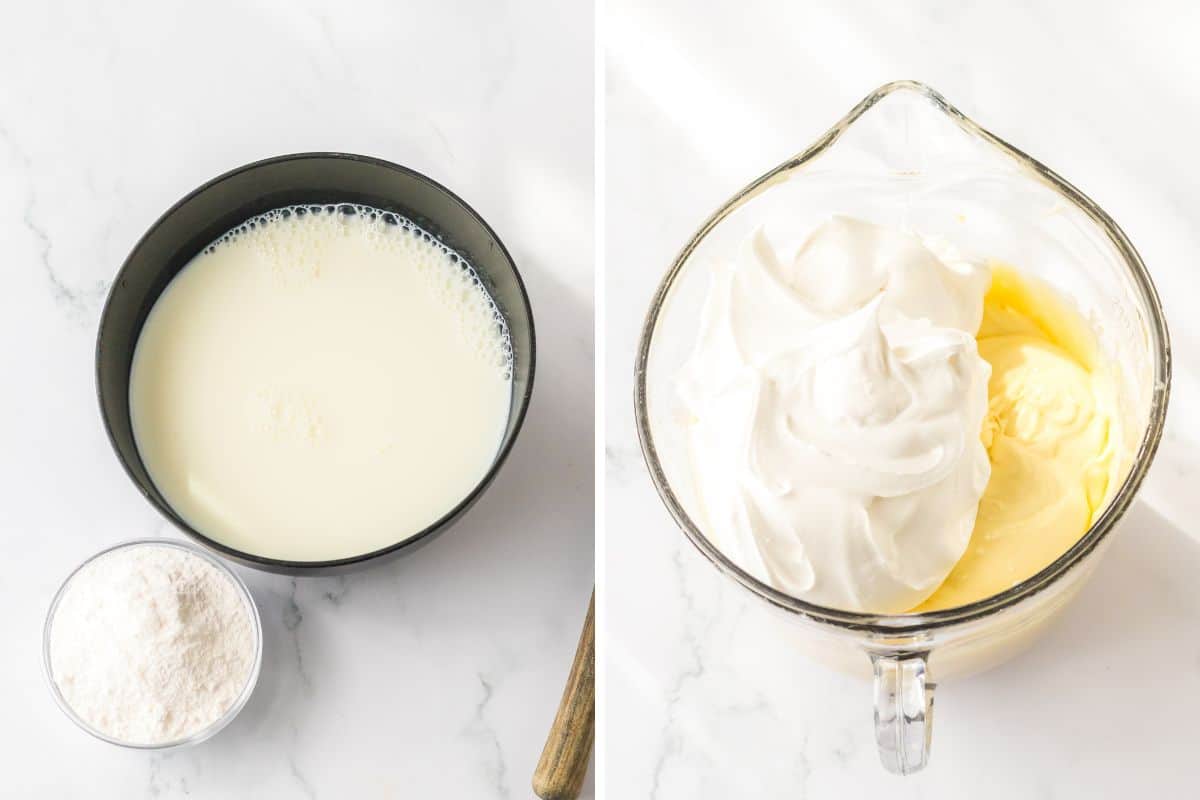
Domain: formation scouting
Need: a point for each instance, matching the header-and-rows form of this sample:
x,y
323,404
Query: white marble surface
x,y
703,700
436,675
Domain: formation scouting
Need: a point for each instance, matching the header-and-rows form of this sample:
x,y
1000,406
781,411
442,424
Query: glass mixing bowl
x,y
906,157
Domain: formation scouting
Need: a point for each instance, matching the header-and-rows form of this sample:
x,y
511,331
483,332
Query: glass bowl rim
x,y
890,625
216,725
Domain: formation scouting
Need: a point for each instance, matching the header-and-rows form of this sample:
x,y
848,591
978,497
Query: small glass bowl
x,y
216,725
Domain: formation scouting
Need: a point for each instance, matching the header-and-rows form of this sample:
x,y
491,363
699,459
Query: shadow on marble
x,y
1125,656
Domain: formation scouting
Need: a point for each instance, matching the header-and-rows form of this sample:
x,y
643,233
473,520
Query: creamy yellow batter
x,y
1050,433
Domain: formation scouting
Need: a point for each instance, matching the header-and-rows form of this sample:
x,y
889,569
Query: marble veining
x,y
77,302
434,675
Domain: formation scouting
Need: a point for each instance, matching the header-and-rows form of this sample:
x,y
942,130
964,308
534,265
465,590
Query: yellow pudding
x,y
1050,433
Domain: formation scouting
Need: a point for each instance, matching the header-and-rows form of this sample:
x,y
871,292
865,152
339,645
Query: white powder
x,y
151,643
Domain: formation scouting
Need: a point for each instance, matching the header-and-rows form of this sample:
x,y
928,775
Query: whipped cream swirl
x,y
834,404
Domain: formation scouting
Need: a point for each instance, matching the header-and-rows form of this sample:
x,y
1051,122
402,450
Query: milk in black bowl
x,y
320,383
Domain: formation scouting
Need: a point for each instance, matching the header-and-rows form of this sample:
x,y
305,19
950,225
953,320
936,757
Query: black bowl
x,y
317,178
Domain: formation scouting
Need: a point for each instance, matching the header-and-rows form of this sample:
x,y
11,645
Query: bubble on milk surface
x,y
289,240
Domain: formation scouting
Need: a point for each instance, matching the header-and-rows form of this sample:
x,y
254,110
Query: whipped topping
x,y
834,404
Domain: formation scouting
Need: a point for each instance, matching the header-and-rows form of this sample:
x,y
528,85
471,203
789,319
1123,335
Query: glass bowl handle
x,y
903,710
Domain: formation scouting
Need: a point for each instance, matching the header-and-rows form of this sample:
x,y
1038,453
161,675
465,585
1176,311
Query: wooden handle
x,y
561,769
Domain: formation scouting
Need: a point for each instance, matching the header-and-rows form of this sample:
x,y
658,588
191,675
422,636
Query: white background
x,y
704,700
436,675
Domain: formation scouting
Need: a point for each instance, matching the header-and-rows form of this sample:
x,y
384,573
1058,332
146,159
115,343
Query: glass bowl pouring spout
x,y
906,157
